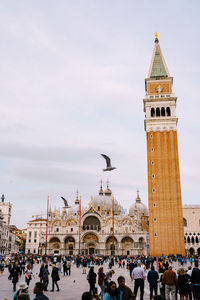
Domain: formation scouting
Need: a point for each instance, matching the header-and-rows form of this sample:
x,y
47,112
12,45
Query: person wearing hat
x,y
183,284
23,289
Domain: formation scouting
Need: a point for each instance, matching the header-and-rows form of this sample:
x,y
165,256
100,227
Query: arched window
x,y
168,111
152,112
197,240
192,240
157,112
188,240
185,239
184,222
163,112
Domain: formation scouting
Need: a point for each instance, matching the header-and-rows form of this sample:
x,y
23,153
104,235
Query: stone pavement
x,y
71,287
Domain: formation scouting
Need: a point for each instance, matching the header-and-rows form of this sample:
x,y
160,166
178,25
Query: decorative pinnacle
x,y
108,183
156,37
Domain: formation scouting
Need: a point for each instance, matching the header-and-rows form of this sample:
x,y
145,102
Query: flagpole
x,y
80,226
113,219
47,221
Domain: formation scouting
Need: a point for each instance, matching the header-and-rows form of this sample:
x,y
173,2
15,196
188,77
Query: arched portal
x,y
90,242
91,223
54,245
191,251
198,251
69,245
127,245
141,245
111,245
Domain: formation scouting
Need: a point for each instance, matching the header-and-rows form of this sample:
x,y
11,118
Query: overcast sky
x,y
71,87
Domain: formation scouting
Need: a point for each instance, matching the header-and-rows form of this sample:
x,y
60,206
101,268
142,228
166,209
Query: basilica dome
x,y
104,201
138,208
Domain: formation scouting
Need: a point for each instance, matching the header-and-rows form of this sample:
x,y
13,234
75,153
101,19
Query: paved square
x,y
71,287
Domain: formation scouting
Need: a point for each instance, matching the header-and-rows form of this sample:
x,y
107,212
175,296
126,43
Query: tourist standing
x,y
92,280
139,276
123,291
28,274
183,284
15,275
45,277
101,283
41,272
111,293
23,289
170,281
195,279
38,291
55,278
153,278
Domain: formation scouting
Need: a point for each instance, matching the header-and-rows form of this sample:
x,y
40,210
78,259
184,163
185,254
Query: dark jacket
x,y
41,297
127,293
15,274
54,274
152,277
92,277
195,277
45,275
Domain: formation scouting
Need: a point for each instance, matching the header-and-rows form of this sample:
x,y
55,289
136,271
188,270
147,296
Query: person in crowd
x,y
55,278
28,273
131,267
41,272
68,268
23,296
45,277
170,281
65,267
108,277
92,280
84,266
153,278
86,296
101,283
123,291
38,291
183,284
15,275
111,293
139,276
195,280
23,289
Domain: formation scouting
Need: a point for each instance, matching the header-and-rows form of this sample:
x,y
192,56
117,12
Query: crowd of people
x,y
162,281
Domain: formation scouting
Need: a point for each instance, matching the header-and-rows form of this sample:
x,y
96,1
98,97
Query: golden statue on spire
x,y
156,37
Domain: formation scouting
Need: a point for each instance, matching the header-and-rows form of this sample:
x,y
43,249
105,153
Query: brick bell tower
x,y
166,231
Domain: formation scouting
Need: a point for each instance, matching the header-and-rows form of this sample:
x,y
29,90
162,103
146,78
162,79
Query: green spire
x,y
158,66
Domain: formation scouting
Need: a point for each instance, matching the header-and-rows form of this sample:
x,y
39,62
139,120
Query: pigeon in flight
x,y
108,163
65,202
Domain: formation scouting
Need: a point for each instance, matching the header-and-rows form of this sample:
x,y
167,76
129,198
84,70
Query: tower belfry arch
x,y
166,231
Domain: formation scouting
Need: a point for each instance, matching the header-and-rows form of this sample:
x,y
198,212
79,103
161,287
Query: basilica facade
x,y
101,228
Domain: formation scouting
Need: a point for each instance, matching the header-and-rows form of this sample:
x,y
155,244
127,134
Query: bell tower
x,y
166,232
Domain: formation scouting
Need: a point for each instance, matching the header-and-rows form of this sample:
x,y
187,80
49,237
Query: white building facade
x,y
9,242
191,220
92,233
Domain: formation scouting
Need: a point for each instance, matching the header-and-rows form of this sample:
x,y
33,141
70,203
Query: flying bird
x,y
65,202
108,163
